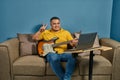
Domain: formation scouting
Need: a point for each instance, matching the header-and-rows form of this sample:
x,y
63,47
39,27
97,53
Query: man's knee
x,y
52,57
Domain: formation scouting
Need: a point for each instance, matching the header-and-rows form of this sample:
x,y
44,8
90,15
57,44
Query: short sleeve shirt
x,y
63,36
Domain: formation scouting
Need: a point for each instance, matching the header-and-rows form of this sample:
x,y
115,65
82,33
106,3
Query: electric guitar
x,y
44,47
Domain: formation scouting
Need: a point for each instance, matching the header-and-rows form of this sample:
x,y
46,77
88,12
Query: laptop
x,y
86,41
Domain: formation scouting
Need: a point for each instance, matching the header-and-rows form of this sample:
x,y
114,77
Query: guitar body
x,y
44,47
41,46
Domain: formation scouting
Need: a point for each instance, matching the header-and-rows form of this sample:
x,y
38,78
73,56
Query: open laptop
x,y
86,41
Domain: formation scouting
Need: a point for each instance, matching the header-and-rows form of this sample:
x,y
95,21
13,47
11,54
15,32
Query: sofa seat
x,y
29,65
101,65
34,65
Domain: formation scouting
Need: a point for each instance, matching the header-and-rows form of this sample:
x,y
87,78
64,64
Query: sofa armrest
x,y
9,51
113,55
111,43
116,65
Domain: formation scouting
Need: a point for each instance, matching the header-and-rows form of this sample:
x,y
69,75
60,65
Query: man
x,y
55,58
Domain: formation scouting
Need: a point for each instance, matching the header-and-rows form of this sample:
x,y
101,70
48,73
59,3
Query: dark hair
x,y
54,18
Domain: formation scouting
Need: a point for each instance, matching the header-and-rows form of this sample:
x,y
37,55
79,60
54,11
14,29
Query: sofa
x,y
13,66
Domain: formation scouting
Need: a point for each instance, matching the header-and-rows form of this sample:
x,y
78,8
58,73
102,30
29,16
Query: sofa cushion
x,y
101,65
27,44
29,65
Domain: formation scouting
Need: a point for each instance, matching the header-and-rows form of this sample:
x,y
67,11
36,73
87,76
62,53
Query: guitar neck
x,y
58,44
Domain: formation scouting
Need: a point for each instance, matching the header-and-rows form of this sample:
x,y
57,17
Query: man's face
x,y
55,24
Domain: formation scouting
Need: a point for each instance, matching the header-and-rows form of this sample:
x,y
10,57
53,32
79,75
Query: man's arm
x,y
36,35
74,42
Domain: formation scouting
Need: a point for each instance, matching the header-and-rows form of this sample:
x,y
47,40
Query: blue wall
x,y
24,16
115,25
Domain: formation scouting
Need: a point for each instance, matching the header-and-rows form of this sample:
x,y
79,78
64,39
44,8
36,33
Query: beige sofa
x,y
32,67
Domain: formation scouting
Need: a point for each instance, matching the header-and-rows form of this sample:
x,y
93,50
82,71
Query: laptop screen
x,y
86,41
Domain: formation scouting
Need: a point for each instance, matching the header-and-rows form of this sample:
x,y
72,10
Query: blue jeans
x,y
55,63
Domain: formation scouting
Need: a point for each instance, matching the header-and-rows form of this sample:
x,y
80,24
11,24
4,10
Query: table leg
x,y
90,65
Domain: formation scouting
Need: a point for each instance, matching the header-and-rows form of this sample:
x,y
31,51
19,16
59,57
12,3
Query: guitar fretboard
x,y
58,44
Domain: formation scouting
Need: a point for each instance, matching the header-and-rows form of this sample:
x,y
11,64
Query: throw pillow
x,y
76,34
27,45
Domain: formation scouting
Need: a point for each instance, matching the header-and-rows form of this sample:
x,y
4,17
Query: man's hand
x,y
43,27
74,42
